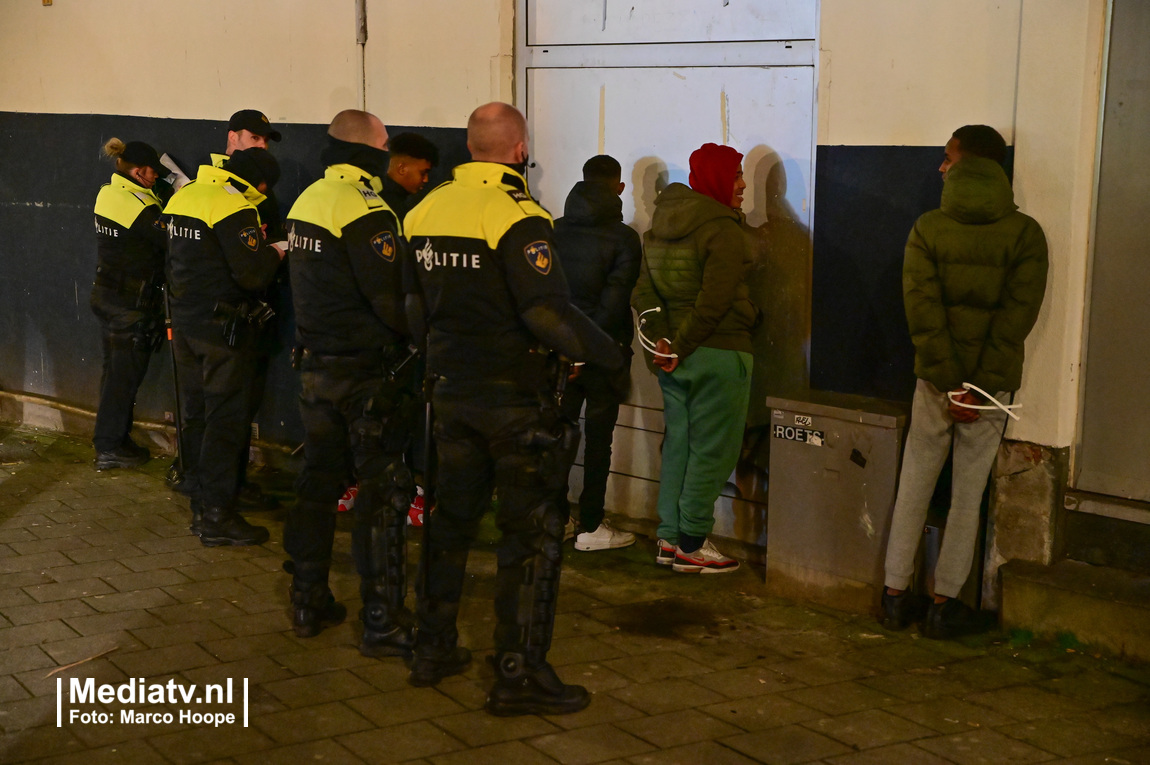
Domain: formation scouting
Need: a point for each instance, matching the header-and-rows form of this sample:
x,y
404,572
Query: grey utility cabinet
x,y
834,466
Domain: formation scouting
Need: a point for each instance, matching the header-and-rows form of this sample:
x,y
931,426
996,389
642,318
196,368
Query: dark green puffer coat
x,y
972,281
695,262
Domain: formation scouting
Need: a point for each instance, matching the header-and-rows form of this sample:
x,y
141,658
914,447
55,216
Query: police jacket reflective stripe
x,y
469,238
130,245
269,208
346,255
216,253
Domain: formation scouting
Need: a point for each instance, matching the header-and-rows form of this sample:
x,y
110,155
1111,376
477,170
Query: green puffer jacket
x,y
972,281
695,262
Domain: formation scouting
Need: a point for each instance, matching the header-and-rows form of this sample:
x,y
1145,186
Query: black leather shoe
x,y
902,610
311,618
519,690
397,641
952,618
120,457
227,527
177,480
429,667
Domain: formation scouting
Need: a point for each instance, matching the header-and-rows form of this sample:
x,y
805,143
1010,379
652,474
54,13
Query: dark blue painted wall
x,y
51,172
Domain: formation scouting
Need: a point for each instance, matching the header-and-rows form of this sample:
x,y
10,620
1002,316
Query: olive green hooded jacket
x,y
973,281
695,262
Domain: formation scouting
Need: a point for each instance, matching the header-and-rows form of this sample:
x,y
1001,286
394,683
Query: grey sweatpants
x,y
927,444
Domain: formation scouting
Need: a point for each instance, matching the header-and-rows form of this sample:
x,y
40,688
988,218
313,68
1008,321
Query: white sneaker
x,y
569,529
705,560
603,538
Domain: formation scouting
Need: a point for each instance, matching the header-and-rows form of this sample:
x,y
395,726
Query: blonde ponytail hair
x,y
114,149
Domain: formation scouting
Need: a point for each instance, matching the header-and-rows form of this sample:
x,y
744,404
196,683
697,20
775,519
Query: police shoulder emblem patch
x,y
384,245
250,238
538,254
518,195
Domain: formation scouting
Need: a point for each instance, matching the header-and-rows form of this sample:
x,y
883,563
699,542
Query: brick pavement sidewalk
x,y
99,568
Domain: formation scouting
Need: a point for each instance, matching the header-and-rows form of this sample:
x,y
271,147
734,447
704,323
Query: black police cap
x,y
253,121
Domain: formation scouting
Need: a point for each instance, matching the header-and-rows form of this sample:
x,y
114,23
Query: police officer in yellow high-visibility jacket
x,y
493,293
357,400
217,261
127,296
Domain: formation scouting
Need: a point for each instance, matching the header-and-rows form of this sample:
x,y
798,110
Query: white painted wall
x,y
897,73
431,62
428,62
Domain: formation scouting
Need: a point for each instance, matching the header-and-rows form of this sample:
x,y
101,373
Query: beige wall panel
x,y
897,73
431,63
1055,150
297,60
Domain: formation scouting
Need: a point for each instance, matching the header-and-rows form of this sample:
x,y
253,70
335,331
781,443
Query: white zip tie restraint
x,y
996,404
646,341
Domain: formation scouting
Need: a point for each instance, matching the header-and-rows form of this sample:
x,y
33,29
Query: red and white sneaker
x,y
705,560
415,512
347,501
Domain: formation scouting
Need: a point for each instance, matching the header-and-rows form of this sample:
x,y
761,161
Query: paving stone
x,y
588,745
869,729
257,670
1028,702
88,530
142,580
388,675
917,685
38,562
577,650
708,752
403,706
79,588
1127,719
503,753
761,712
9,535
191,592
899,754
152,562
478,728
31,634
156,661
273,644
400,743
666,696
27,714
181,613
100,568
786,745
10,690
316,689
327,752
593,676
656,666
984,747
841,698
724,656
951,715
603,709
896,656
320,659
39,742
247,625
45,545
130,601
677,728
119,550
820,670
174,634
111,622
748,681
803,645
24,658
1098,689
86,646
14,596
577,624
1069,738
138,751
320,721
225,569
198,744
989,672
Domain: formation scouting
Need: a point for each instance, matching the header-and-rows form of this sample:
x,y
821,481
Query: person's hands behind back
x,y
667,364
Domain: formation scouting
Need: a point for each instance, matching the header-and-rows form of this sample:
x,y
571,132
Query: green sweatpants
x,y
705,410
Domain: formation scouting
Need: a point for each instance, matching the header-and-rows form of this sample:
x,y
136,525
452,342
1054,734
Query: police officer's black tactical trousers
x,y
214,382
496,436
126,357
355,418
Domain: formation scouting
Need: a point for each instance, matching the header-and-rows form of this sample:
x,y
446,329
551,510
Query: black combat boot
x,y
120,457
437,653
313,605
902,610
387,630
224,526
197,526
531,690
379,545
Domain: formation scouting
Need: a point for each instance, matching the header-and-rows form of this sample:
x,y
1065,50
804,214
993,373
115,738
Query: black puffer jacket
x,y
600,256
